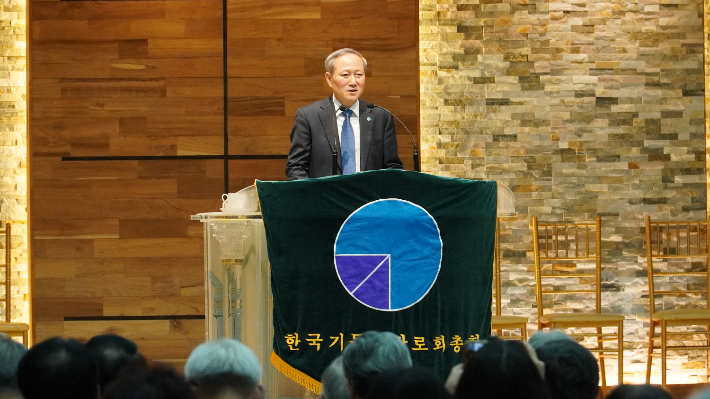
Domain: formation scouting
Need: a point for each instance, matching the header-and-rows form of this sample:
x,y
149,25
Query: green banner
x,y
387,250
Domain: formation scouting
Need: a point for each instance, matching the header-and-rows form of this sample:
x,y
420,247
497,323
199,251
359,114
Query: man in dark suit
x,y
361,136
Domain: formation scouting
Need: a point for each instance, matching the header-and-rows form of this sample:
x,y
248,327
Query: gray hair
x,y
372,354
333,381
223,356
541,338
330,60
10,354
704,394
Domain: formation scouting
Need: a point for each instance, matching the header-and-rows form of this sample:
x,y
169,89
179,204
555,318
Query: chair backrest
x,y
567,251
677,257
496,270
7,298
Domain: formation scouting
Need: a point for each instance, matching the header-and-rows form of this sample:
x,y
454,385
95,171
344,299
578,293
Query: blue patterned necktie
x,y
347,148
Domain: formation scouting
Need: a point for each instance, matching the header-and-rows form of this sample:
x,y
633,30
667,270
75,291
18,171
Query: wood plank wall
x,y
276,60
127,140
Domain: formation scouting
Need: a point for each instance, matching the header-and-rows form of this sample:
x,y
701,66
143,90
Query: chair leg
x,y
663,353
25,338
524,332
621,353
650,352
602,369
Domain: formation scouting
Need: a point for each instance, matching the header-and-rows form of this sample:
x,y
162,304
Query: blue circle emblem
x,y
388,254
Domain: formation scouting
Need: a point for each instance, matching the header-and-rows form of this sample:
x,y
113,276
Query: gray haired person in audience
x,y
10,354
370,355
224,369
571,371
333,381
542,337
701,394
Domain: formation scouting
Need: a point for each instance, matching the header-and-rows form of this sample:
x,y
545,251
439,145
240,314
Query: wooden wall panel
x,y
276,64
127,63
127,106
113,248
243,172
121,243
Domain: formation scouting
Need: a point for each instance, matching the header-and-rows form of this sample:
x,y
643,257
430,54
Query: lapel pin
x,y
369,119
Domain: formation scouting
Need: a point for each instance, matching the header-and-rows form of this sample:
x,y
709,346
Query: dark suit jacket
x,y
313,141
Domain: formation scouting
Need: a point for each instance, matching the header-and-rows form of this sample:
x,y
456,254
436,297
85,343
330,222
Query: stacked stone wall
x,y
13,150
582,108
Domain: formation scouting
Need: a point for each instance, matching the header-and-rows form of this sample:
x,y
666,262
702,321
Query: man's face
x,y
348,78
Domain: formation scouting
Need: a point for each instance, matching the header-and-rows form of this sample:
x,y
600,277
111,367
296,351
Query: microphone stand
x,y
335,149
415,153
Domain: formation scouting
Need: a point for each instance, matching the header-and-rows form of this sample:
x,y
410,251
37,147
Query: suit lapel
x,y
326,119
367,120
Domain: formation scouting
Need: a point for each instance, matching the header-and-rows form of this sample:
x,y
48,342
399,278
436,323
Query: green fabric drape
x,y
302,220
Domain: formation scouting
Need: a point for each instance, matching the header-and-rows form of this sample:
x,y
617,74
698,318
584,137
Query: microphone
x,y
337,142
415,153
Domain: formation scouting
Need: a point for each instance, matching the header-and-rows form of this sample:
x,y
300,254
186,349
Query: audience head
x,y
542,337
411,383
370,355
501,369
701,394
224,367
639,392
58,368
333,381
149,382
10,354
112,353
571,371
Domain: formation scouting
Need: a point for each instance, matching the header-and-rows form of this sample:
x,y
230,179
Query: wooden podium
x,y
238,298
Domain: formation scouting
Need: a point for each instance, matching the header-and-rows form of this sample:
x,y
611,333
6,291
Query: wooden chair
x,y
565,251
504,322
8,326
677,257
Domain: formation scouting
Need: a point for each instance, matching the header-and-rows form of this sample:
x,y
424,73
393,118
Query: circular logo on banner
x,y
388,254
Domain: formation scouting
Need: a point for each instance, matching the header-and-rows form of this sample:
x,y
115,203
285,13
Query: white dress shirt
x,y
355,122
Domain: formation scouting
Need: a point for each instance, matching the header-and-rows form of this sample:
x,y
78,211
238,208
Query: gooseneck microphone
x,y
415,154
337,142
